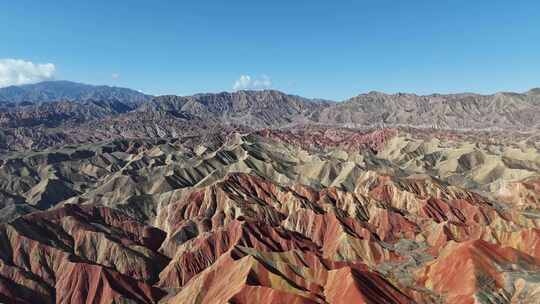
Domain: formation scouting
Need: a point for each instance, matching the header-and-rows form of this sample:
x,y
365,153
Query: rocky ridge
x,y
337,216
112,196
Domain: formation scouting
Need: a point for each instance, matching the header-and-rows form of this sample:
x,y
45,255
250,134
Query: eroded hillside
x,y
312,215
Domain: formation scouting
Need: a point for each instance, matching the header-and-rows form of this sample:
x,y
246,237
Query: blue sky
x,y
327,49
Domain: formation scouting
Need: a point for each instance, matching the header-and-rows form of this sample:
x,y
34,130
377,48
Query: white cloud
x,y
245,82
17,72
115,76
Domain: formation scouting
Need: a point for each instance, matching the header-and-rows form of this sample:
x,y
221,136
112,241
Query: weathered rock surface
x,y
53,114
165,213
78,255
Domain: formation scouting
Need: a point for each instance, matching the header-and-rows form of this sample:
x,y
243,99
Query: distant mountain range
x,y
257,109
50,110
451,111
108,195
48,91
270,109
